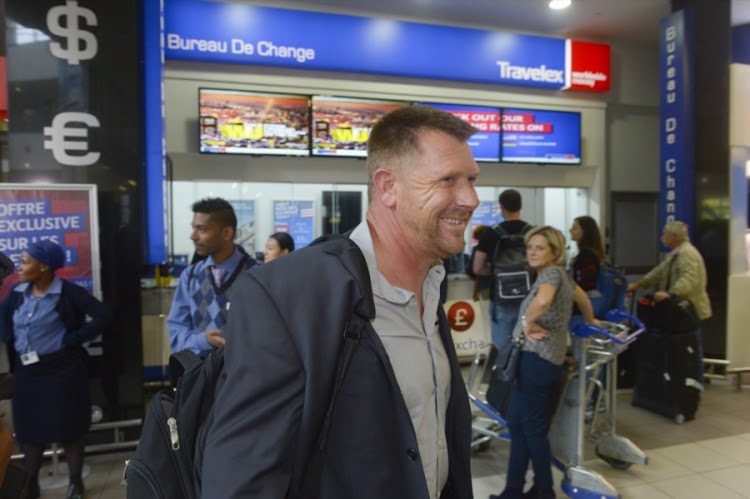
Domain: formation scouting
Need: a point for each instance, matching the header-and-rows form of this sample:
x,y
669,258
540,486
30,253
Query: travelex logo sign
x,y
245,34
586,68
677,127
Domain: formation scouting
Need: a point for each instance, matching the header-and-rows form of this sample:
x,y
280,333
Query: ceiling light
x,y
559,4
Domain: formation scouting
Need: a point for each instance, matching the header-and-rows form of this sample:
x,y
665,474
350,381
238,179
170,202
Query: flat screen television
x,y
239,122
341,125
485,144
544,137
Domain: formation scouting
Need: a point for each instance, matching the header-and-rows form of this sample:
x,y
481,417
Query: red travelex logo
x,y
589,66
461,316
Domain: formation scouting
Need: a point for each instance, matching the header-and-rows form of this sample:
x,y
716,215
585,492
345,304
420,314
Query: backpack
x,y
169,457
610,290
163,465
512,278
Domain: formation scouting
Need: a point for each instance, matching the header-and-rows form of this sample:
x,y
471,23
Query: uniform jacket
x,y
73,306
685,277
282,344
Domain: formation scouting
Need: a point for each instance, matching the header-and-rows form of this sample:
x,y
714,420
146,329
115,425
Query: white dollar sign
x,y
71,11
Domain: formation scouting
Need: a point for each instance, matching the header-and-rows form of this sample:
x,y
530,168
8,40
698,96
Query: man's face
x,y
207,236
669,240
435,195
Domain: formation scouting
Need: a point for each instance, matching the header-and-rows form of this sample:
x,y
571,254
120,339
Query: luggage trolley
x,y
595,349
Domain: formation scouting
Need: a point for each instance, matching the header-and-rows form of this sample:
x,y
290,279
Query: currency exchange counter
x,y
155,305
469,319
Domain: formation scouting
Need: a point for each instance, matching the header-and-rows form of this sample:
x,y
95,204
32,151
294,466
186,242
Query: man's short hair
x,y
394,140
679,230
220,211
510,200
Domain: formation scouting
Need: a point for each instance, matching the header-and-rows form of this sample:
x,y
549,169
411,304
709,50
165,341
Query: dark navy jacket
x,y
282,344
73,306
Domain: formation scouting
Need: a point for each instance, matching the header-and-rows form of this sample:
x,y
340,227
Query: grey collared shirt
x,y
417,355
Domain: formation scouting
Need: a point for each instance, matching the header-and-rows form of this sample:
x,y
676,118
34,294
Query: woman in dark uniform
x,y
43,322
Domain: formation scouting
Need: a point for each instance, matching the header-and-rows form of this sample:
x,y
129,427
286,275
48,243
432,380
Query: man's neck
x,y
222,255
400,263
511,215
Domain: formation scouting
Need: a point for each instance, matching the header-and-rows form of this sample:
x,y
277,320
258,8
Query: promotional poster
x,y
295,218
64,214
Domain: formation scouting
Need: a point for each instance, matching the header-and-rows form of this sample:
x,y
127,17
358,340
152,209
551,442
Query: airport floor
x,y
708,457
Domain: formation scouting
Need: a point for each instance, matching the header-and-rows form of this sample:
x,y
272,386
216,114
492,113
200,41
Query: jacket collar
x,y
354,261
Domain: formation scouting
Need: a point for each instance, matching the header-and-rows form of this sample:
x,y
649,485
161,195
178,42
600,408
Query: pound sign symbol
x,y
71,11
59,146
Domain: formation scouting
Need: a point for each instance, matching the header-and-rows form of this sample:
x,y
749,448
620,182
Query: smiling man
x,y
401,424
200,305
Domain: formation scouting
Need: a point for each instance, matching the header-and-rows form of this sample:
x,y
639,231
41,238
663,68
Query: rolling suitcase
x,y
667,375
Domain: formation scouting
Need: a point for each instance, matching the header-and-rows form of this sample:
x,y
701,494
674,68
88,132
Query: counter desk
x,y
469,319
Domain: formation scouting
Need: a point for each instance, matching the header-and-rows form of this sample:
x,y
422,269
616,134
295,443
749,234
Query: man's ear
x,y
227,233
385,184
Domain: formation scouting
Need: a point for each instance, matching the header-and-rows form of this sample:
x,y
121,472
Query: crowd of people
x,y
401,422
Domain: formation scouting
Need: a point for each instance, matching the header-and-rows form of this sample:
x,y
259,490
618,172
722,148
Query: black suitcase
x,y
626,361
667,375
626,366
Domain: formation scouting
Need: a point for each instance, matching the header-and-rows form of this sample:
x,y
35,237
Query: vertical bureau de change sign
x,y
677,122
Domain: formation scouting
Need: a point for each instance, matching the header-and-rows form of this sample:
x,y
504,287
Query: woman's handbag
x,y
508,358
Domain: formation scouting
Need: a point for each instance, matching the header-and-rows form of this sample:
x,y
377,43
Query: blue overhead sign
x,y
677,124
245,34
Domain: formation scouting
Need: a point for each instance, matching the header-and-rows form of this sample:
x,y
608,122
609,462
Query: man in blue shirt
x,y
200,306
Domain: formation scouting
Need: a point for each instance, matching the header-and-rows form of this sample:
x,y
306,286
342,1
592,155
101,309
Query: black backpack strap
x,y
501,235
349,344
499,229
180,362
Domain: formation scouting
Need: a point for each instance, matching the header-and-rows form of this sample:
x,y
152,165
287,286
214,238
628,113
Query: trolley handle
x,y
585,330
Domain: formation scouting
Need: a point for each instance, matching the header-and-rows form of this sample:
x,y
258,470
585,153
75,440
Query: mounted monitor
x,y
239,122
341,125
543,137
485,144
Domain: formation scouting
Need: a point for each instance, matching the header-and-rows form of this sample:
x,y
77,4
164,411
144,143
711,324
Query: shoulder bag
x,y
508,358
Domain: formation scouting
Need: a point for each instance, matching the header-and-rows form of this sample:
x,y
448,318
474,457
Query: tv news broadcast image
x,y
239,122
341,125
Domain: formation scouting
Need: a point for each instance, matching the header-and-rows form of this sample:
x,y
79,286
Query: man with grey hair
x,y
401,422
682,273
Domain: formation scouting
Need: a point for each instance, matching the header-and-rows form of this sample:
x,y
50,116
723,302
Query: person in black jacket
x,y
6,267
585,265
43,322
401,423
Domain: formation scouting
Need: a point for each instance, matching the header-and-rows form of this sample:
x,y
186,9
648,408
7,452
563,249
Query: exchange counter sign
x,y
461,316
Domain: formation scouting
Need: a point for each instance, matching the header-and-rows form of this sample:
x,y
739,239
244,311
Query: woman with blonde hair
x,y
544,316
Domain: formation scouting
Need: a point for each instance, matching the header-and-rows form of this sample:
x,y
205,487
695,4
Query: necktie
x,y
218,274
